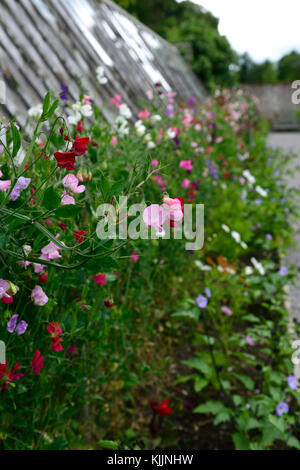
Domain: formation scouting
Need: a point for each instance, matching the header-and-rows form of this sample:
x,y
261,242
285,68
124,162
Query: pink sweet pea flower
x,y
38,296
67,199
154,216
226,310
249,340
100,279
185,183
134,256
149,94
144,114
4,185
114,140
172,209
186,165
117,99
71,182
4,287
155,162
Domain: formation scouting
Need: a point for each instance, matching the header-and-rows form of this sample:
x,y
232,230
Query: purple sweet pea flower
x,y
21,328
201,301
283,271
269,237
292,382
22,183
282,408
207,292
11,325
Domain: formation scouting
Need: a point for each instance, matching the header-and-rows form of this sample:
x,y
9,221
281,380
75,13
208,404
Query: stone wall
x,y
275,103
44,43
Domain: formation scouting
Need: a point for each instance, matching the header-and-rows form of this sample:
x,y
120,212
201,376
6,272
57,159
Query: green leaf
x,y
293,442
199,364
213,407
200,383
240,442
222,417
67,211
110,445
277,421
247,381
46,103
51,199
16,140
52,109
194,314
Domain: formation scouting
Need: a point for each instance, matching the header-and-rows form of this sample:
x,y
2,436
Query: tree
x,y
289,67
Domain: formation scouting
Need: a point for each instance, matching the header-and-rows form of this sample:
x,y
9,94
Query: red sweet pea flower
x,y
79,235
7,300
163,409
56,346
62,225
80,145
108,304
65,160
100,279
54,329
37,362
43,278
79,127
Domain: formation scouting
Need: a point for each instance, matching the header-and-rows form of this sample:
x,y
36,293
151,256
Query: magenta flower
x,y
185,183
226,310
186,165
249,340
134,256
67,199
39,297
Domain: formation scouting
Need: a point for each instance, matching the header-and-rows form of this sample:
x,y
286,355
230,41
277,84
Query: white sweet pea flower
x,y
171,133
155,118
202,267
244,245
225,228
36,111
122,125
258,266
236,236
100,74
248,270
125,111
151,145
261,191
140,128
249,177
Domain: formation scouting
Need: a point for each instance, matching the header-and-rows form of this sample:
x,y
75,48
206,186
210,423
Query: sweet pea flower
x,y
4,185
282,408
4,287
117,99
114,140
186,165
144,114
134,256
100,279
37,362
22,183
201,301
226,310
249,340
185,183
155,162
100,74
207,292
257,265
39,297
154,216
70,181
150,94
172,210
12,325
292,382
67,199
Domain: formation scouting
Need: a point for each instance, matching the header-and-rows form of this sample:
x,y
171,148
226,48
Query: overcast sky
x,y
266,29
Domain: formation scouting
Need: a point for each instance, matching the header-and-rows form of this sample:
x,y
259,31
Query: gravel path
x,y
291,141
